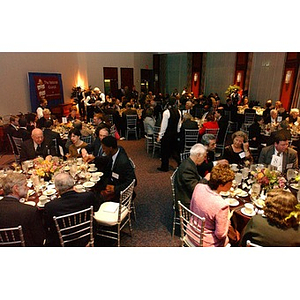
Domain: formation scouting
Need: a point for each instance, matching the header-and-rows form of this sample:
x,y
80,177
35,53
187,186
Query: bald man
x,y
37,146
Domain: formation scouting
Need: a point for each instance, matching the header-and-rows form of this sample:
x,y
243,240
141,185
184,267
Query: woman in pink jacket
x,y
206,202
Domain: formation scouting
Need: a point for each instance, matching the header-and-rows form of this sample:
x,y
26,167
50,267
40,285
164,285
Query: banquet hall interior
x,y
143,81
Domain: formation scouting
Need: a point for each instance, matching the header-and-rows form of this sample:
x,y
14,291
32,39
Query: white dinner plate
x,y
88,184
49,192
242,194
232,201
246,214
225,194
295,186
32,203
1,197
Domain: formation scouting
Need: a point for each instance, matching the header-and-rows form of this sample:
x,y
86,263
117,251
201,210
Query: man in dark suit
x,y
36,146
51,135
209,141
14,213
23,132
94,151
69,202
288,157
13,126
187,176
119,172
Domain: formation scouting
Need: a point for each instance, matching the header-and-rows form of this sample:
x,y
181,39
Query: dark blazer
x,y
290,156
188,124
121,175
11,130
223,123
255,131
207,165
23,133
259,231
186,178
13,213
69,202
28,151
50,135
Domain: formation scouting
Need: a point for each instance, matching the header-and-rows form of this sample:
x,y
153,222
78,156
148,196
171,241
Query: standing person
x,y
207,202
80,100
40,109
14,213
168,135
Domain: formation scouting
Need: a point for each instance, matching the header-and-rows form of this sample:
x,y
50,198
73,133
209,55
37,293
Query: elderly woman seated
x,y
294,118
279,225
238,152
206,202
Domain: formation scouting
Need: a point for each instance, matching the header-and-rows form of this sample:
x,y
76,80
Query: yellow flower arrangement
x,y
45,167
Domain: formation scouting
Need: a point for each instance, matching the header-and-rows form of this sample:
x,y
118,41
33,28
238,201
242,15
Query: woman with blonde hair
x,y
279,225
206,202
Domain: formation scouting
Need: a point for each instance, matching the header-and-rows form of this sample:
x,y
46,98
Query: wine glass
x,y
245,172
291,174
73,170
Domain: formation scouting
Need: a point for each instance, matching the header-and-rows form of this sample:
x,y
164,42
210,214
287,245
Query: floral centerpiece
x,y
269,179
45,168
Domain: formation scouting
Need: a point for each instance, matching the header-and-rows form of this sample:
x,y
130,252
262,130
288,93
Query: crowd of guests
x,y
199,176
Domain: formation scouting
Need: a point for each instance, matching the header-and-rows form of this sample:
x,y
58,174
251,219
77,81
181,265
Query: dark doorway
x,y
146,80
110,81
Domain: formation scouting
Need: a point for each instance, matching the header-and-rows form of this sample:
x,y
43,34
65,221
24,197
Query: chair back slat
x,y
75,226
12,236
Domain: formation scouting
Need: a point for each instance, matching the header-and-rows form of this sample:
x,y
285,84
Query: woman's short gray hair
x,y
241,134
198,149
63,182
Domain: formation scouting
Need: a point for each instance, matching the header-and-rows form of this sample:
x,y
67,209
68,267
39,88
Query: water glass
x,y
255,190
238,178
245,172
291,174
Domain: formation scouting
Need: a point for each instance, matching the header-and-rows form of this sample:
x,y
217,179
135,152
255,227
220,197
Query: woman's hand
x,y
246,147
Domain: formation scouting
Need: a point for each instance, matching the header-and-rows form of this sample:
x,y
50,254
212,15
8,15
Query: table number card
x,y
276,161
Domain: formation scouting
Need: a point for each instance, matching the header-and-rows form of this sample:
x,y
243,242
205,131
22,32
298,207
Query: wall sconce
x,y
195,77
288,76
238,77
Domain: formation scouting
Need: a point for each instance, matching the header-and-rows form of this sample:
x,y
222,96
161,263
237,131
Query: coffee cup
x,y
92,166
79,188
43,199
95,176
79,160
249,208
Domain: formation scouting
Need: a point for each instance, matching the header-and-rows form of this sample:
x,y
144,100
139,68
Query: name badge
x,y
289,166
276,161
115,175
242,154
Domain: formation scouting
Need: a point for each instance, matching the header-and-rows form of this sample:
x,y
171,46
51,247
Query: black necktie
x,y
39,150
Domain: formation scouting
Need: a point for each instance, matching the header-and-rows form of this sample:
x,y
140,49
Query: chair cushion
x,y
108,213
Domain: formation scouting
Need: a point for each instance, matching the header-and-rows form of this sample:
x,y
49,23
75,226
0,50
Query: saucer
x,y
225,194
31,192
232,202
32,203
92,169
94,180
88,184
242,194
39,204
49,192
295,186
246,214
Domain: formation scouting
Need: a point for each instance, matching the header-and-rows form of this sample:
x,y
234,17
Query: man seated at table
x,y
46,116
13,126
187,175
279,154
70,201
118,173
23,132
50,135
94,151
14,213
209,141
283,127
36,146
